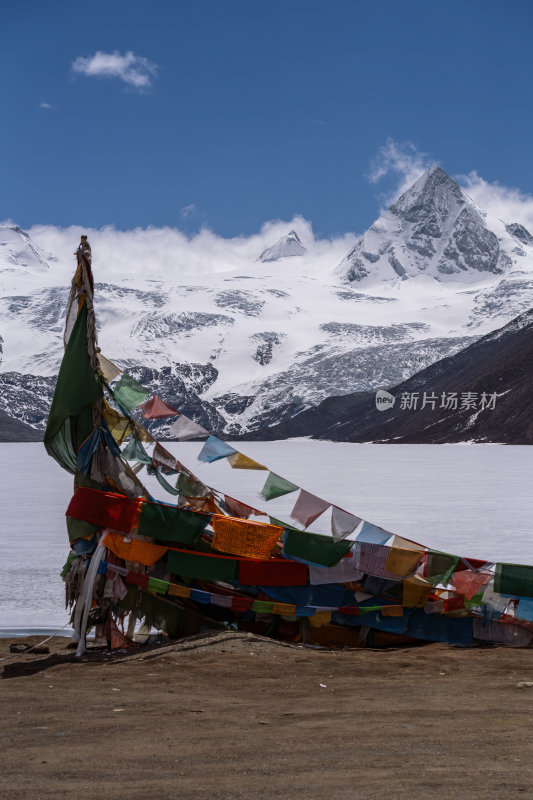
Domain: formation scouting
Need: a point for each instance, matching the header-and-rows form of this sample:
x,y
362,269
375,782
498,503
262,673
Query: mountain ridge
x,y
277,336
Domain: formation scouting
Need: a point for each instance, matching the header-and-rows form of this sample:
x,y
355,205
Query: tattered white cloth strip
x,y
85,600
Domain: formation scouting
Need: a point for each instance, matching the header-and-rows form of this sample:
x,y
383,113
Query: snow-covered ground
x,y
470,500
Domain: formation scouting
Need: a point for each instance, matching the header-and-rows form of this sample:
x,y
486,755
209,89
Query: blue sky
x,y
229,113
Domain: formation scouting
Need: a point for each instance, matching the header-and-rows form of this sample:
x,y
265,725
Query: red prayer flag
x,y
238,509
272,573
155,408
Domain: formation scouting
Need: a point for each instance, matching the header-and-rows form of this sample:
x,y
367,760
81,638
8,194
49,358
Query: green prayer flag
x,y
514,579
189,486
134,451
206,568
313,548
263,606
70,420
368,609
276,486
129,393
164,483
80,529
281,524
157,585
440,567
67,565
171,524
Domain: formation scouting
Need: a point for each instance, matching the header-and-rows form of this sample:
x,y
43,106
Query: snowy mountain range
x,y
238,349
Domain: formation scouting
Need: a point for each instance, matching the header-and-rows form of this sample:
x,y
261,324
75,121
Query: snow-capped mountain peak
x,y
18,250
434,229
289,245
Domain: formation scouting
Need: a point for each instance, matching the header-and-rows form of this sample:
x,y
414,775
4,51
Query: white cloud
x,y
403,161
135,71
502,202
159,251
46,105
188,211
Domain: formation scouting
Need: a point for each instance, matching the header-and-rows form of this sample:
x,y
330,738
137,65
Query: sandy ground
x,y
236,716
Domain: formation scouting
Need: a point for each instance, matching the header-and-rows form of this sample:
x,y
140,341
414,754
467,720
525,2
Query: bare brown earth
x,y
235,716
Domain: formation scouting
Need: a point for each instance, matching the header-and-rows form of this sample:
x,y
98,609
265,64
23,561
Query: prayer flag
x,y
240,538
469,583
415,591
308,507
214,449
276,486
313,548
514,579
184,428
134,550
373,534
171,524
134,451
237,509
189,486
240,461
164,460
403,557
155,408
70,420
119,426
203,567
109,370
128,392
164,483
342,523
343,572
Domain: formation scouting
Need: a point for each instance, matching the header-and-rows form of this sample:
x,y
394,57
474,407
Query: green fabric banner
x,y
171,524
205,568
70,419
129,393
514,579
312,548
276,486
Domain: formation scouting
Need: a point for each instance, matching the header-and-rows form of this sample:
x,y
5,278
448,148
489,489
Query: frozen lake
x,y
472,500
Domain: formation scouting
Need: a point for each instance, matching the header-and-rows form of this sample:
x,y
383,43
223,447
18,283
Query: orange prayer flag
x,y
135,550
240,538
178,591
392,611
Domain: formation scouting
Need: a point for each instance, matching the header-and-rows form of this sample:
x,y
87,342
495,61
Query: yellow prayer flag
x,y
320,618
416,591
403,556
109,370
119,426
240,461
